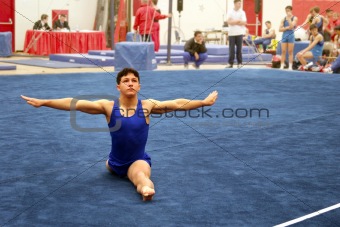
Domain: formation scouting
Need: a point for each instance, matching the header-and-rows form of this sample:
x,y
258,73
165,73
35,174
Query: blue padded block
x,y
298,46
214,49
132,37
245,50
109,53
83,59
164,52
137,55
219,59
5,44
8,67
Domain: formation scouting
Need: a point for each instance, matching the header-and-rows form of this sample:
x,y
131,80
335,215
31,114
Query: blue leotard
x,y
128,142
317,49
320,26
288,35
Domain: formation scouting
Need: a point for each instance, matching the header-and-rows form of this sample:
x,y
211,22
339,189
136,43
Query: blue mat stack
x,y
5,44
217,54
83,59
8,67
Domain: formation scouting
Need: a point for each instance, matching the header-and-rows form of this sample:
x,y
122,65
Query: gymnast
x,y
314,49
128,157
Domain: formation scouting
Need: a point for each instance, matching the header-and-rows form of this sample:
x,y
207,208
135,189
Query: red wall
x,y
249,9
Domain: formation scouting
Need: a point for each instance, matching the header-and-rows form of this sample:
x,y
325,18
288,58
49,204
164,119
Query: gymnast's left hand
x,y
210,99
33,101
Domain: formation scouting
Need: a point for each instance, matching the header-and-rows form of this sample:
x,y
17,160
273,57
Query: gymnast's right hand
x,y
33,101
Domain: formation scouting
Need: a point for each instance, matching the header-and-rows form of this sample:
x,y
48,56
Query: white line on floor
x,y
309,216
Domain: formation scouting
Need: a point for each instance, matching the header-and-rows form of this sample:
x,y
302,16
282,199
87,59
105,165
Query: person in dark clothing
x,y
61,23
42,24
195,50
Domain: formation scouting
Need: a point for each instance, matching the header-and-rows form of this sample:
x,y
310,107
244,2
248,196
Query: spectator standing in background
x,y
237,20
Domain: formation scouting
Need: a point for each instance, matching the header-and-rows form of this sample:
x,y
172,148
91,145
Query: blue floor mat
x,y
87,59
267,152
47,63
8,67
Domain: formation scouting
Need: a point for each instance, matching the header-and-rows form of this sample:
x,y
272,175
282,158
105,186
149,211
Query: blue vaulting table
x,y
298,46
5,44
137,55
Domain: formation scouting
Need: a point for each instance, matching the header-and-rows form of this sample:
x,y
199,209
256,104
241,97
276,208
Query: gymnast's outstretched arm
x,y
182,104
91,107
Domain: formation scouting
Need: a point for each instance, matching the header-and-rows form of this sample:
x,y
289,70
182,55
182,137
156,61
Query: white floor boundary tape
x,y
309,216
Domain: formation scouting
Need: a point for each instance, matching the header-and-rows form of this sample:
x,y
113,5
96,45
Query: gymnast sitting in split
x,y
128,120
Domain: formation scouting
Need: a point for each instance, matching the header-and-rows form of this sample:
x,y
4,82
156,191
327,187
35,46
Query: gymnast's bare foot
x,y
147,193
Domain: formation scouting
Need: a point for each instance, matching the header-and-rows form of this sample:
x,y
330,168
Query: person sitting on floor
x,y
195,50
314,49
42,24
266,39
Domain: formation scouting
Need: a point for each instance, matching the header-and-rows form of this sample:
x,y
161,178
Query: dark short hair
x,y
289,7
329,10
125,72
236,1
155,2
197,33
44,16
312,26
268,22
62,15
316,9
337,28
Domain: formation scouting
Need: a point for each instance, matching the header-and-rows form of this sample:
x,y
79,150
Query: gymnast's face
x,y
129,85
288,12
314,31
